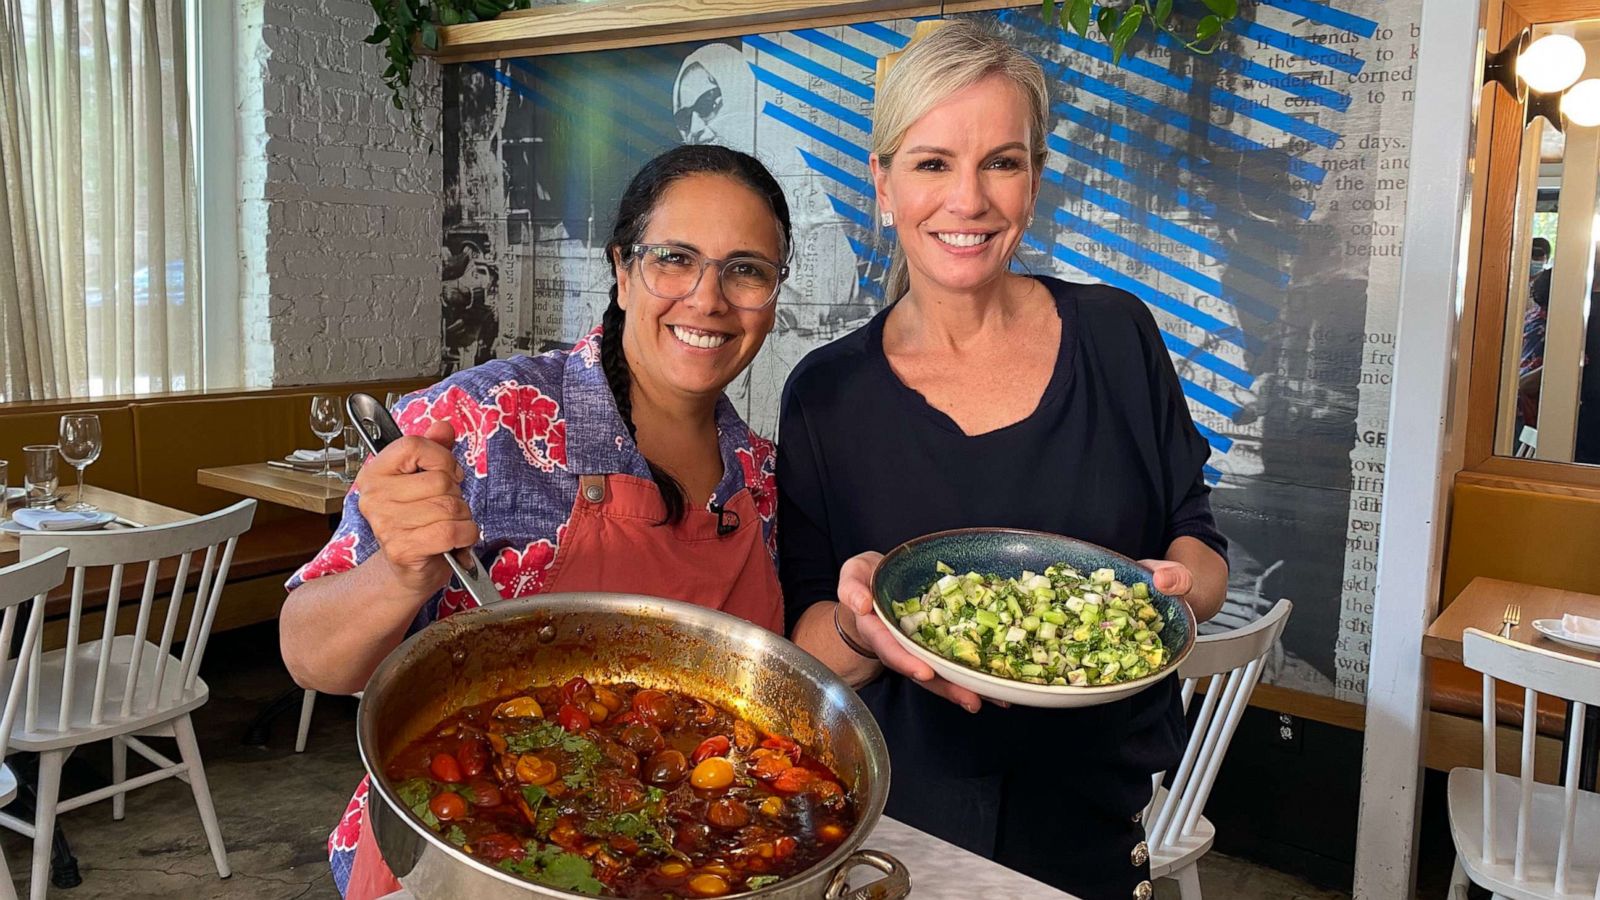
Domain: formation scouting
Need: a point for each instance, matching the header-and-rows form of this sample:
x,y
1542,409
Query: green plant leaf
x,y
1225,9
430,36
1163,12
1107,22
1125,30
1047,11
1207,28
1080,16
449,16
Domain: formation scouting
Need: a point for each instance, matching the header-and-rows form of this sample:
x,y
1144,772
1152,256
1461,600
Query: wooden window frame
x,y
1498,162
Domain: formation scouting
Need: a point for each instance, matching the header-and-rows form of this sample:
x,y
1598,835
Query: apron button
x,y
1141,853
1144,891
594,493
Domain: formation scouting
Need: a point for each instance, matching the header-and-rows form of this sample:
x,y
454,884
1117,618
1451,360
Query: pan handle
x,y
895,883
378,430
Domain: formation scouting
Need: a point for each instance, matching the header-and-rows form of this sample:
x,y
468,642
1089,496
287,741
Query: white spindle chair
x,y
1176,829
125,685
1535,840
1527,442
19,583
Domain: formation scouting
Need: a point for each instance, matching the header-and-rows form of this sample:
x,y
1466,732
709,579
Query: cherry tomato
x,y
793,780
576,689
728,813
656,708
712,774
626,718
473,757
785,745
666,767
711,746
784,847
768,764
448,806
572,718
445,768
497,846
641,738
484,794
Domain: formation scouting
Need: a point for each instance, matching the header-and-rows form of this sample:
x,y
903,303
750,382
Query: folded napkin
x,y
333,454
1580,626
54,520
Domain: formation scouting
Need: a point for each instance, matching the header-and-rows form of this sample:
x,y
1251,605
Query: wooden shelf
x,y
609,24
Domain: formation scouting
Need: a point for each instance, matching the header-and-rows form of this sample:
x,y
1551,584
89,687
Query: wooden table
x,y
1482,603
287,487
131,508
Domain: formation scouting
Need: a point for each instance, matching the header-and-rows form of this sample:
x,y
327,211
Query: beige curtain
x,y
98,257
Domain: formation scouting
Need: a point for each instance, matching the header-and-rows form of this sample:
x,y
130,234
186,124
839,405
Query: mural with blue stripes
x,y
1252,198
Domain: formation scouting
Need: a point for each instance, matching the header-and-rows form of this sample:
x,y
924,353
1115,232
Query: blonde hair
x,y
930,71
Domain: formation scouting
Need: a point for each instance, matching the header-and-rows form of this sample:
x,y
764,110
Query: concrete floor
x,y
277,807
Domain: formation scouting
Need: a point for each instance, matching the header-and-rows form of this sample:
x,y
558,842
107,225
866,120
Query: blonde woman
x,y
982,397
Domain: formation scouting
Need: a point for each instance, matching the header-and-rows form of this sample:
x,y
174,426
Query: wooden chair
x,y
19,583
1514,836
1178,833
124,686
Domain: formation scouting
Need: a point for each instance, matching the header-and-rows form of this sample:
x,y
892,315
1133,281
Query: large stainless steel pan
x,y
478,655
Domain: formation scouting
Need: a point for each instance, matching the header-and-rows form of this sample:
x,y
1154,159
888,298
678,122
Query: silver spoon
x,y
378,430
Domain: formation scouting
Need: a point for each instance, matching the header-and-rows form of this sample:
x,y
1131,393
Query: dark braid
x,y
633,215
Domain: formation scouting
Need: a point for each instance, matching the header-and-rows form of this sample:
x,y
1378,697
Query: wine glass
x,y
391,400
327,422
80,446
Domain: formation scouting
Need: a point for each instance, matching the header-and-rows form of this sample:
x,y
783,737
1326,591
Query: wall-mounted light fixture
x,y
1581,104
1545,67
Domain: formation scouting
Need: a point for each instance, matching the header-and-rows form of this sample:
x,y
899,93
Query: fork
x,y
1510,619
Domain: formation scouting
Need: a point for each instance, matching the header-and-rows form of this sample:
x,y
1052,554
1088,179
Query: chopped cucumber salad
x,y
1058,628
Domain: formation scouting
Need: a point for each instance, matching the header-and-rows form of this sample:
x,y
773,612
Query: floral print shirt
x,y
526,428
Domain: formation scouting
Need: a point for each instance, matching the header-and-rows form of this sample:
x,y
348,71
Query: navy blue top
x,y
1110,456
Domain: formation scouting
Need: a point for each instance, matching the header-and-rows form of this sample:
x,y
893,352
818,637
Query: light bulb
x,y
1581,104
1551,63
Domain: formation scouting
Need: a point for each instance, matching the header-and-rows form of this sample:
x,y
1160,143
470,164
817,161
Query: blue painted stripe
x,y
1221,99
810,66
1267,76
1222,442
829,170
1166,266
850,212
870,286
1145,106
1325,56
1189,352
817,133
868,254
1212,476
1261,231
1210,399
882,33
1165,302
1180,233
816,101
1185,161
1327,15
855,54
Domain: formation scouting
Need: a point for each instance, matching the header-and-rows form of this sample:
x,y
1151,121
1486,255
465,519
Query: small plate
x,y
101,520
1551,628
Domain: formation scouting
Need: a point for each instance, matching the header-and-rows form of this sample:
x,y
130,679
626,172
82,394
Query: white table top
x,y
939,871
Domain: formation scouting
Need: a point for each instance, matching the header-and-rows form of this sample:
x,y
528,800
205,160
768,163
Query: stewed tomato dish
x,y
623,791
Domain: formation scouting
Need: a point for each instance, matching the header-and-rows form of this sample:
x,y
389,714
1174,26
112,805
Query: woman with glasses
x,y
617,466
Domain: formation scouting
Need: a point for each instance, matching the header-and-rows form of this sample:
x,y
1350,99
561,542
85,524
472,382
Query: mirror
x,y
1549,404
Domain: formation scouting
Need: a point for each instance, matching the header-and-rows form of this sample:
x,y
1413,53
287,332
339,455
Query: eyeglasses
x,y
672,273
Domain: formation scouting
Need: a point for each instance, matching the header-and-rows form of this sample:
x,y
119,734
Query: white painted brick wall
x,y
340,200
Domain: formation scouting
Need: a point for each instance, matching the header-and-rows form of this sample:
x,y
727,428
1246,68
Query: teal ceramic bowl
x,y
909,568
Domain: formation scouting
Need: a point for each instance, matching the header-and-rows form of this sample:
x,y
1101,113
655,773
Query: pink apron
x,y
612,543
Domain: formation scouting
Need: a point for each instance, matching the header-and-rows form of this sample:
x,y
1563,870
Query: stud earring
x,y
887,218
1030,221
